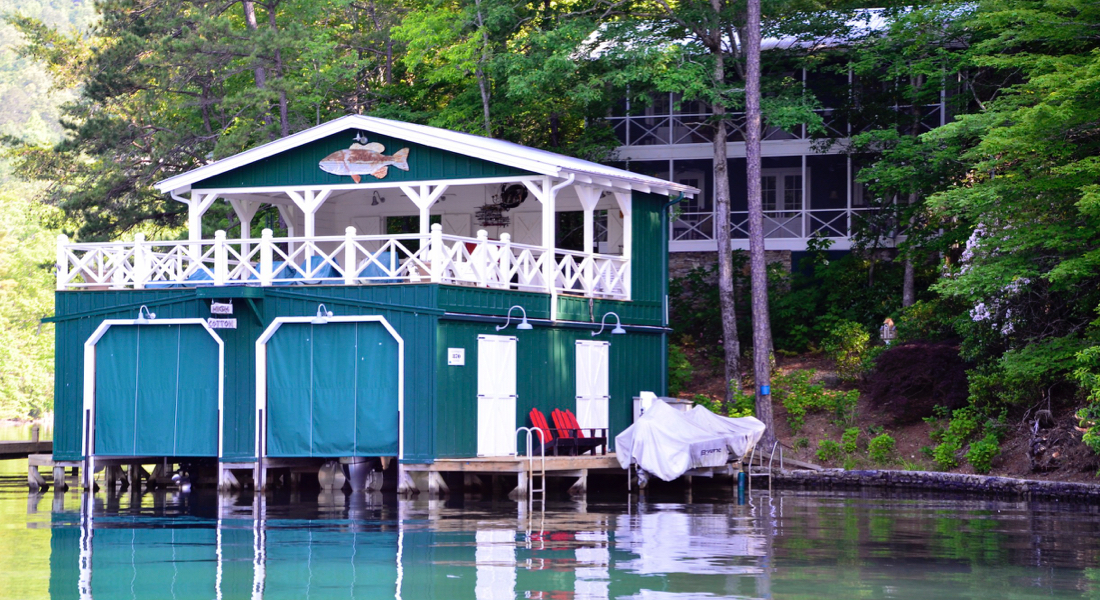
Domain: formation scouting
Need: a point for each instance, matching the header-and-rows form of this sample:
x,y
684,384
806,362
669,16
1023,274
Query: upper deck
x,y
365,201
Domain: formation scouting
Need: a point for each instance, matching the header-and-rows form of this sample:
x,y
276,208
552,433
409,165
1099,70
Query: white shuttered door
x,y
592,386
496,395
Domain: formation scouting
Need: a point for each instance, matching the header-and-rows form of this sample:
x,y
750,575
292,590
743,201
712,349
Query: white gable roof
x,y
496,151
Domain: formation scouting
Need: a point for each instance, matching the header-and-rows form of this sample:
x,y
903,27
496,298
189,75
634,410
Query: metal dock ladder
x,y
532,473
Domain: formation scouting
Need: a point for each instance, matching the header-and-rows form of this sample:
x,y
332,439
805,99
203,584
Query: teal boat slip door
x,y
592,384
496,395
333,390
156,390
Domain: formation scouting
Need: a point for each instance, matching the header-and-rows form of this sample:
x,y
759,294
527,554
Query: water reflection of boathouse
x,y
415,550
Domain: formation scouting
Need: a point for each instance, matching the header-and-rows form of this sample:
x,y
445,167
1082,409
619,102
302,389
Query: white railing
x,y
412,258
835,223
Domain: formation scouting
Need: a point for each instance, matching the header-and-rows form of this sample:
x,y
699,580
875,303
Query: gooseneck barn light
x,y
618,330
323,313
522,325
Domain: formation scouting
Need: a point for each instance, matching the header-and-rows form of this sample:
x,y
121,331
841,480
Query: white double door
x,y
593,391
496,395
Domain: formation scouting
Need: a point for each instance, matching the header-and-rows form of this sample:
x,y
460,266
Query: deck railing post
x,y
436,253
62,262
505,259
266,252
141,262
221,258
350,268
480,258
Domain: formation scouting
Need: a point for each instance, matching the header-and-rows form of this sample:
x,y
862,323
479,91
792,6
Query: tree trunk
x,y
482,78
726,301
761,332
284,121
250,20
908,282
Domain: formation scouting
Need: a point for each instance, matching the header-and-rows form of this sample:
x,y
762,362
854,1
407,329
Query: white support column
x,y
350,268
287,213
544,193
589,197
309,202
806,219
221,258
141,261
266,256
848,212
196,208
424,198
245,209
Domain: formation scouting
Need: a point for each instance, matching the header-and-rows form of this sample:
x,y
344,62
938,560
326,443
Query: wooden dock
x,y
25,448
426,477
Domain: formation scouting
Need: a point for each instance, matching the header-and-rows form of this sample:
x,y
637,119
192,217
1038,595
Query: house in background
x,y
807,190
381,324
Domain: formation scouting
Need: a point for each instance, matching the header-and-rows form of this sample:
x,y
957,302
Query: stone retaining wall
x,y
681,263
939,482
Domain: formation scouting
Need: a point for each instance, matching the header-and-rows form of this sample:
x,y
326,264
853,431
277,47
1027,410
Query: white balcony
x,y
350,259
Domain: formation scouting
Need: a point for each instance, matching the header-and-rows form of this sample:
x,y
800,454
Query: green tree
x,y
1029,199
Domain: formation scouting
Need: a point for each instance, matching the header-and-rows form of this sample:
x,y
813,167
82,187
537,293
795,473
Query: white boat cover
x,y
664,443
741,433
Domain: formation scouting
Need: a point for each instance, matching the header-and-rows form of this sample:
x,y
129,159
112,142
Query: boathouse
x,y
414,293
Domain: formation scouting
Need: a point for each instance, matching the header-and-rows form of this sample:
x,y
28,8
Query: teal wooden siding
x,y
440,401
545,377
299,166
649,257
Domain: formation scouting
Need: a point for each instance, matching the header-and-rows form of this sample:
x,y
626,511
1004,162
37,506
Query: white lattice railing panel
x,y
376,259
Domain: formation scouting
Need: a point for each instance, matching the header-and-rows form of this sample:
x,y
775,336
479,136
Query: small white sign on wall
x,y
222,323
221,308
456,357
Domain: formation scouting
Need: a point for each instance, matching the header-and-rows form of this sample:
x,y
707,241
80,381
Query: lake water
x,y
315,546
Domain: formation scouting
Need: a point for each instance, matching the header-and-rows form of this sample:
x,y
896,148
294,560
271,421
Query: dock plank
x,y
23,449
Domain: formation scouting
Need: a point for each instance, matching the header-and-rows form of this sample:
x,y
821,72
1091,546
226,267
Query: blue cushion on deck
x,y
375,271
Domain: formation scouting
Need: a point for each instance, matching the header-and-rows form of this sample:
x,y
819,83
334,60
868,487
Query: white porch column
x,y
287,213
424,198
589,197
245,209
309,202
626,207
544,193
196,208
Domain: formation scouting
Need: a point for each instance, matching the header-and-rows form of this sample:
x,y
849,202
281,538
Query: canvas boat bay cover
x,y
741,433
664,443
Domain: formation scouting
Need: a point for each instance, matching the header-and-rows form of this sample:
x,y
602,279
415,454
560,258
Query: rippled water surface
x,y
310,545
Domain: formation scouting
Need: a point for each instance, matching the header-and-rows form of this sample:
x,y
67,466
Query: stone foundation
x,y
680,263
940,482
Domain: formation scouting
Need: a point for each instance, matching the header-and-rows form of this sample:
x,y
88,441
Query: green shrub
x,y
846,343
828,450
714,406
881,449
982,453
801,442
799,396
679,370
744,405
849,440
945,454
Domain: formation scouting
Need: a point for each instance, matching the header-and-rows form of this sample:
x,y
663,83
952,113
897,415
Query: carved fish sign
x,y
364,159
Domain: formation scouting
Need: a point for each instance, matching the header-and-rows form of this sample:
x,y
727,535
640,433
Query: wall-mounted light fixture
x,y
145,316
376,198
523,325
618,330
323,313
